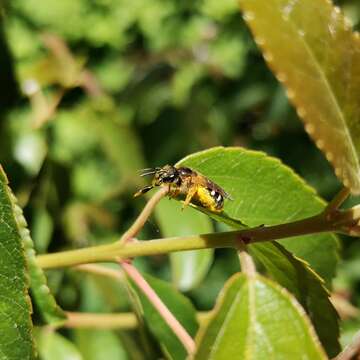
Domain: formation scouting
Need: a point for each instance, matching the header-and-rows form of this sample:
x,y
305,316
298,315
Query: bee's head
x,y
167,175
163,175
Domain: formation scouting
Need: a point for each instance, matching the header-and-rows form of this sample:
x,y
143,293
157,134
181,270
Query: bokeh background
x,y
91,91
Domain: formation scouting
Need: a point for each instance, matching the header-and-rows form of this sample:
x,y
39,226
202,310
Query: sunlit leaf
x,y
255,318
96,344
45,303
188,267
42,228
314,53
53,346
16,341
268,192
297,277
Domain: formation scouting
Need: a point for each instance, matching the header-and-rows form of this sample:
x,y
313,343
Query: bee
x,y
183,181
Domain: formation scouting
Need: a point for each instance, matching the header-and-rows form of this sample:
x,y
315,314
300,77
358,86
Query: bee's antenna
x,y
148,173
146,169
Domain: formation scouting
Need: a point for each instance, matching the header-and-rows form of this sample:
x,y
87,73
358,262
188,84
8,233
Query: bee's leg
x,y
143,190
173,191
189,196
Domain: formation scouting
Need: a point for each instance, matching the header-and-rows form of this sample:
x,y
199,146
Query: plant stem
x,y
164,312
101,270
352,350
337,201
118,251
100,321
123,321
144,215
246,261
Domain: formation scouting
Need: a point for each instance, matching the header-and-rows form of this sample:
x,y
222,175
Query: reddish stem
x,y
164,312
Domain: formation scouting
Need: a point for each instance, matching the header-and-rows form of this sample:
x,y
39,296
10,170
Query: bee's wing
x,y
228,196
219,189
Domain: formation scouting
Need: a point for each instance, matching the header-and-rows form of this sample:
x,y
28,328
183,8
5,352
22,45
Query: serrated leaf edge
x,y
16,211
301,110
29,251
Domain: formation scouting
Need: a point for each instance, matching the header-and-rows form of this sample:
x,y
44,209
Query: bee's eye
x,y
185,171
169,178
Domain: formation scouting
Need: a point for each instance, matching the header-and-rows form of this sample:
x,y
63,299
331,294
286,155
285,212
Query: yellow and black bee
x,y
188,183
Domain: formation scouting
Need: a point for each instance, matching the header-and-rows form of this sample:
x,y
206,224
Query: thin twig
x,y
164,312
337,201
100,270
351,350
127,320
100,321
143,217
43,108
114,251
343,307
246,261
343,222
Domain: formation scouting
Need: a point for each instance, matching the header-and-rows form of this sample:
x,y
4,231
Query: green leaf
x,y
188,267
16,341
297,277
42,228
45,303
184,80
53,346
98,129
178,305
267,192
318,59
102,294
118,140
99,344
256,319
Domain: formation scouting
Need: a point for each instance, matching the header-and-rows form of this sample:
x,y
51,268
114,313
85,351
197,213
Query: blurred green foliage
x,y
93,90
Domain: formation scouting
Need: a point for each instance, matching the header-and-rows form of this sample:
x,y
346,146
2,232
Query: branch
x,y
246,261
115,251
337,201
164,312
100,321
144,215
123,321
100,270
343,307
351,350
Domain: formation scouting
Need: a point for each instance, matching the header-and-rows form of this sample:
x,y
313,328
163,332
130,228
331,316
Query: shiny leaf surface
x,y
267,192
255,318
317,58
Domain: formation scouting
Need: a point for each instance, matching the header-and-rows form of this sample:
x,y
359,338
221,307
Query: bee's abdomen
x,y
210,200
218,198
